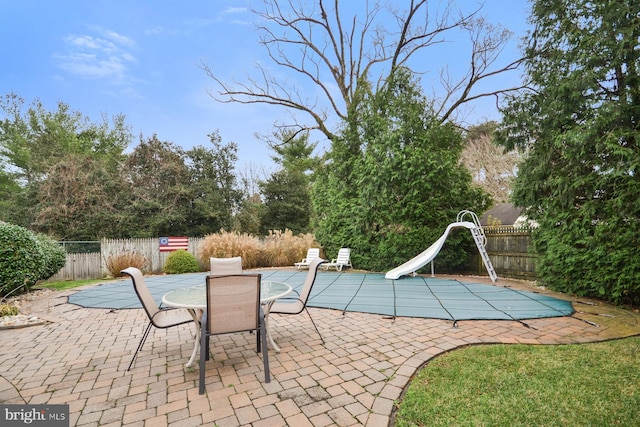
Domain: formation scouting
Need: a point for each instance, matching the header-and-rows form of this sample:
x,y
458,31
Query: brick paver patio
x,y
80,358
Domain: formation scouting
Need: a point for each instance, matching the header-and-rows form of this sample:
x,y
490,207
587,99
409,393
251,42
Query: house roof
x,y
505,213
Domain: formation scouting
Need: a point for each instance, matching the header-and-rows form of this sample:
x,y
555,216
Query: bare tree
x,y
491,167
250,177
337,47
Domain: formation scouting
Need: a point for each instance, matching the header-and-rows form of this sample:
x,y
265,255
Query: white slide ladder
x,y
481,242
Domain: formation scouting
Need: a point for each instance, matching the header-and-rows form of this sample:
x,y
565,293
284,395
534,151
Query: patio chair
x,y
343,260
161,318
233,305
312,253
223,266
296,305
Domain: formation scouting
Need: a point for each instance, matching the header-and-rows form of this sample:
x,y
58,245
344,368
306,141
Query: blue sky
x,y
143,59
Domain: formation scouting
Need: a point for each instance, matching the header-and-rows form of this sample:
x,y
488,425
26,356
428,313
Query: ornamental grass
x,y
277,249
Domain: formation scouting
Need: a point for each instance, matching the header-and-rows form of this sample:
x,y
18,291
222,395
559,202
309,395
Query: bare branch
x,y
491,167
487,43
465,97
319,43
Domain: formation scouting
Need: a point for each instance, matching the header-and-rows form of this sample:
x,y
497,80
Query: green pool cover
x,y
365,292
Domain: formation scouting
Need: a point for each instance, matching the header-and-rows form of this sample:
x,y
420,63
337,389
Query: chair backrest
x,y
310,279
233,303
148,302
313,253
343,256
223,266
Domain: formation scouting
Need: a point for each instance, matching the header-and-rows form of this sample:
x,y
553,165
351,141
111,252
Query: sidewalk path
x,y
80,358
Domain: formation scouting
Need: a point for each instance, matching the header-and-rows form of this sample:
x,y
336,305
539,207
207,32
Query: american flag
x,y
168,244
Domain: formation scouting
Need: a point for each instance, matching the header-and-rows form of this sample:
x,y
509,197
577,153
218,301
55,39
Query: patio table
x,y
194,299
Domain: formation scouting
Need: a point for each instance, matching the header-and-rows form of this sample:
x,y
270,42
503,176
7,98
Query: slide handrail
x,y
476,222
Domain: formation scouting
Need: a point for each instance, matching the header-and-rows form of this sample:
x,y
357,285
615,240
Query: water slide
x,y
425,257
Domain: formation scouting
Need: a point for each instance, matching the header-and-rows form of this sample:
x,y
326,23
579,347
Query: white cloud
x,y
105,55
235,16
234,10
119,38
90,66
86,42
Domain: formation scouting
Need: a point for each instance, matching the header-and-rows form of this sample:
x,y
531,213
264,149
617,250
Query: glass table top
x,y
195,297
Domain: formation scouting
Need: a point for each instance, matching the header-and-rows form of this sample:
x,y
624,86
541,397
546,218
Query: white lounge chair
x,y
343,260
312,253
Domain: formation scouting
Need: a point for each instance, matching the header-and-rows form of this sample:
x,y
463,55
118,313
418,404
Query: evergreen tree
x,y
580,127
287,202
394,181
213,187
161,196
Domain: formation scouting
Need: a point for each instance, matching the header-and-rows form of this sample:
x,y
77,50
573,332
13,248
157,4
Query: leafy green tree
x,y
580,127
12,199
161,196
393,182
247,218
295,152
249,215
213,183
82,198
287,202
35,142
67,176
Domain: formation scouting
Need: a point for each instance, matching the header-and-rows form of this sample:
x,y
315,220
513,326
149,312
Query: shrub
x,y
597,260
8,310
22,259
26,258
117,263
54,255
181,261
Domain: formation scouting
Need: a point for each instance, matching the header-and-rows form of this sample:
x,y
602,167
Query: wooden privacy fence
x,y
509,251
93,265
79,267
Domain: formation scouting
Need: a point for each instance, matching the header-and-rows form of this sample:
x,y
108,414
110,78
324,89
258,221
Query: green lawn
x,y
524,385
